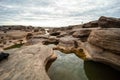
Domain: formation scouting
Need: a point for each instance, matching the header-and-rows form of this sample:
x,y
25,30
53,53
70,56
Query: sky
x,y
56,13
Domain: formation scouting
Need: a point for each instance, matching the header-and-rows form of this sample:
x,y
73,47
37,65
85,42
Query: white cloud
x,y
55,12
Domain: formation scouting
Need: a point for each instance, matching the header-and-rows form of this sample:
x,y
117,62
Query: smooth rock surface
x,y
26,63
95,53
108,39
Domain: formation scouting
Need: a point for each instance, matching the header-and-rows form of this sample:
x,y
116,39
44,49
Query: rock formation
x,y
97,40
26,63
103,22
101,44
108,39
109,22
81,34
55,33
50,41
67,44
91,24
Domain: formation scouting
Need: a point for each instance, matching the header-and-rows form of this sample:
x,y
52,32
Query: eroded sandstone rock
x,y
66,44
81,34
55,33
98,54
26,63
50,41
108,39
109,22
92,24
103,46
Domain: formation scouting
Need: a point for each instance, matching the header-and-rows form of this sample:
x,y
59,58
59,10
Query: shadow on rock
x,y
3,56
99,71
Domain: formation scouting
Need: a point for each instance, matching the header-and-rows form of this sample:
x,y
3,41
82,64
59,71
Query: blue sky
x,y
55,12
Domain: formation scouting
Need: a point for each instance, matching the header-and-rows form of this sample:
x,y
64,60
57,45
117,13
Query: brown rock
x,y
62,34
66,44
108,39
82,34
26,63
70,45
50,41
98,54
92,24
29,36
67,41
109,22
55,33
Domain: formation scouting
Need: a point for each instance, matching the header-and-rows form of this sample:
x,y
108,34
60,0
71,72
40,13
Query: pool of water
x,y
70,67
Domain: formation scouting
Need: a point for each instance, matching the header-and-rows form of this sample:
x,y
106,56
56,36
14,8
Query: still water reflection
x,y
70,67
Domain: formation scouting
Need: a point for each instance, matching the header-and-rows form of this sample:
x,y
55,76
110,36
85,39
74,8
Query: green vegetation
x,y
14,46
